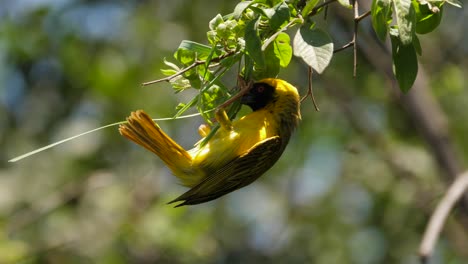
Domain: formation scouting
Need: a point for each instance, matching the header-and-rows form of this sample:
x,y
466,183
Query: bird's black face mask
x,y
259,96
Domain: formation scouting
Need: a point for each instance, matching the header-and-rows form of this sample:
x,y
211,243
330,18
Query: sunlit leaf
x,y
308,7
168,72
283,49
454,3
239,9
210,98
346,3
185,56
201,50
218,19
406,20
314,46
172,65
180,83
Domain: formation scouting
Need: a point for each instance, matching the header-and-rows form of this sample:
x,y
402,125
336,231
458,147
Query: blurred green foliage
x,y
336,196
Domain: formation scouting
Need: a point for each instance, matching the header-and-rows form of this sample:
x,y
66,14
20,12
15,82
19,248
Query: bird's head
x,y
269,91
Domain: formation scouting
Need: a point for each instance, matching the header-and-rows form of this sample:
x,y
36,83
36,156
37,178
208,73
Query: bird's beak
x,y
247,99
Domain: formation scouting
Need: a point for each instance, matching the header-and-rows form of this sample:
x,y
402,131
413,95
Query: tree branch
x,y
433,229
352,42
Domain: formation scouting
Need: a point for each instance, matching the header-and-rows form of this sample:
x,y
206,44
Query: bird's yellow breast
x,y
227,145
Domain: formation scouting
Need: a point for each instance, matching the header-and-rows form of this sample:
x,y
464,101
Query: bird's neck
x,y
286,116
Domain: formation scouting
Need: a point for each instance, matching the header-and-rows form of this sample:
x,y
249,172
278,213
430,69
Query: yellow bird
x,y
237,154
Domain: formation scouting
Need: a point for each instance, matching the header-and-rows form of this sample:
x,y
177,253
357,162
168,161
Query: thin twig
x,y
310,92
352,43
356,23
191,66
169,78
361,17
347,45
433,229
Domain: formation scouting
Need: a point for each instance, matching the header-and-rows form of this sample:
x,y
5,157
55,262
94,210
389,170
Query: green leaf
x,y
426,19
282,49
180,106
314,46
212,37
258,11
168,72
454,3
201,50
180,83
280,16
185,56
218,19
272,64
405,62
172,65
247,71
253,43
308,8
239,9
210,98
417,45
381,11
272,2
406,20
346,3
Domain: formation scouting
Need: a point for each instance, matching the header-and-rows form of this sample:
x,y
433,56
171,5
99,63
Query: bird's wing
x,y
236,174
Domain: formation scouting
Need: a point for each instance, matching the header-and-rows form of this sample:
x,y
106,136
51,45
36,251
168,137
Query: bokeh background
x,y
356,184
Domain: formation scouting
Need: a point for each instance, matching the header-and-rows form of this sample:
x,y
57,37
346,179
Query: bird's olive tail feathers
x,y
141,129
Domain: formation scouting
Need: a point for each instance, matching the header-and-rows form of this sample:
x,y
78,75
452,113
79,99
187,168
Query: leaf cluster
x,y
404,20
253,38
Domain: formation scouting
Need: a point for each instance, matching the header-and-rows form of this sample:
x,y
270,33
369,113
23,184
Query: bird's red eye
x,y
261,89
